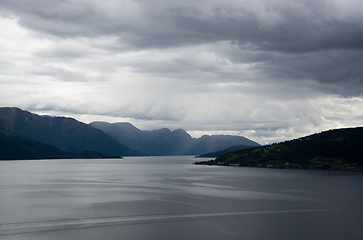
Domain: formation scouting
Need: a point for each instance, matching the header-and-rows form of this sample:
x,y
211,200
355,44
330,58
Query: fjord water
x,y
170,198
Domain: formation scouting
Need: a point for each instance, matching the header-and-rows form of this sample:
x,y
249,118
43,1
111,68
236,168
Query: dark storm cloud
x,y
338,71
285,26
316,40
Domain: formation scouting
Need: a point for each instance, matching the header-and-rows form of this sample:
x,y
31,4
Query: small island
x,y
339,149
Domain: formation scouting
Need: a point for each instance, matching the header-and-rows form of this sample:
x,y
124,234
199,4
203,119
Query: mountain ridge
x,y
119,139
167,142
67,134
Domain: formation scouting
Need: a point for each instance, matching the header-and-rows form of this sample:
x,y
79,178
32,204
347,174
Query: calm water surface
x,y
169,198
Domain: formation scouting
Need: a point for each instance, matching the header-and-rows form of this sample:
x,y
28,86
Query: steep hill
x,y
67,134
16,148
167,142
334,149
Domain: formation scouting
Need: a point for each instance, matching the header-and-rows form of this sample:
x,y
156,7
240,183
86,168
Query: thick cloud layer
x,y
269,70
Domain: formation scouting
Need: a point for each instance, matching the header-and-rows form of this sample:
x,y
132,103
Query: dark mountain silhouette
x,y
222,152
16,148
167,142
333,149
67,134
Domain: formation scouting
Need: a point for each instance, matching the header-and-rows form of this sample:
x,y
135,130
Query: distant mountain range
x,y
16,148
167,142
334,149
117,139
67,134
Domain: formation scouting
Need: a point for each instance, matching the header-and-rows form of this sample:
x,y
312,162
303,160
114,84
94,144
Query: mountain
x,y
333,149
16,148
67,134
220,142
222,152
166,142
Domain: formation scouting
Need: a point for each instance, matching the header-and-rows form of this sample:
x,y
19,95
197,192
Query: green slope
x,y
16,148
334,149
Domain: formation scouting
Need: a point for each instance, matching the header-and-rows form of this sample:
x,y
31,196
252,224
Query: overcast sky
x,y
269,70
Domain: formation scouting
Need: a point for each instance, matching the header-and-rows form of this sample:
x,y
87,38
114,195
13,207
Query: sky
x,y
269,70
